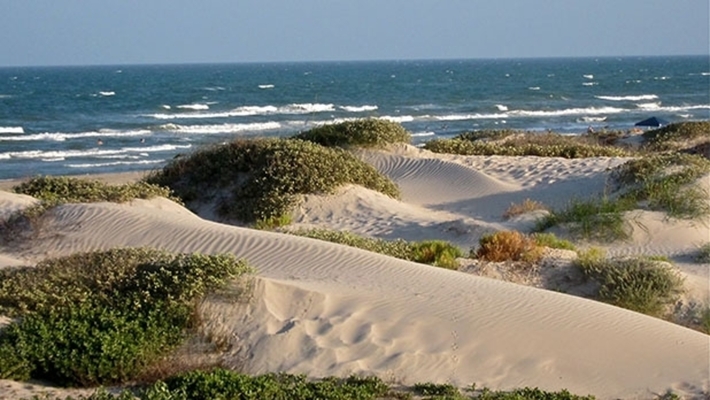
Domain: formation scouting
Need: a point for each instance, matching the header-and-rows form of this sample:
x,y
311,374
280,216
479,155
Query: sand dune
x,y
326,309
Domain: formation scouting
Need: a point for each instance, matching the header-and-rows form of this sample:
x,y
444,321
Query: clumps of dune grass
x,y
600,219
54,190
508,246
509,143
432,252
551,240
677,136
103,317
262,179
523,207
366,133
666,182
638,283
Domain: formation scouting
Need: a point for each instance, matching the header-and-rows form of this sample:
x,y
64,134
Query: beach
x,y
325,309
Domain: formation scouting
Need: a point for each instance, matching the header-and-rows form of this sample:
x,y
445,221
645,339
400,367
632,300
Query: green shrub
x,y
101,317
433,252
433,389
359,133
638,284
261,179
666,182
64,189
530,394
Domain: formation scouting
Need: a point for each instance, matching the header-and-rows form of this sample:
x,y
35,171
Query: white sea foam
x,y
662,78
588,76
501,107
165,106
398,119
302,108
464,117
59,136
11,129
591,119
567,111
590,83
628,98
222,128
705,73
306,108
214,88
114,163
534,88
269,86
106,94
195,106
358,108
94,152
649,106
423,134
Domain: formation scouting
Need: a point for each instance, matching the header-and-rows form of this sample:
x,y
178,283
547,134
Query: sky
x,y
119,32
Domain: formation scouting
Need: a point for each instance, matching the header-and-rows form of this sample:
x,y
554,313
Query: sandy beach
x,y
325,309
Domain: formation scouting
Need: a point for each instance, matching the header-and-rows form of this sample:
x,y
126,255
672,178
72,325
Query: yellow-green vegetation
x,y
638,283
262,179
523,207
54,190
358,133
595,219
508,246
103,317
229,385
552,241
678,136
433,252
512,143
665,182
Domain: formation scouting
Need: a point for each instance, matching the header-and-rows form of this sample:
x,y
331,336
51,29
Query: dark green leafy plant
x,y
102,317
359,133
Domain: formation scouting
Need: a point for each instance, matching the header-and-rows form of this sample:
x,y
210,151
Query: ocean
x,y
101,119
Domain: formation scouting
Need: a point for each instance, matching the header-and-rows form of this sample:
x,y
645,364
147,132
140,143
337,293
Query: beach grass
x,y
262,179
677,136
432,252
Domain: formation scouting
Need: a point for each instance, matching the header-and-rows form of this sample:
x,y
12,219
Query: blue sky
x,y
87,32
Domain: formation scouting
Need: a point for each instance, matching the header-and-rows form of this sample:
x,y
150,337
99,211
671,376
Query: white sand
x,y
325,309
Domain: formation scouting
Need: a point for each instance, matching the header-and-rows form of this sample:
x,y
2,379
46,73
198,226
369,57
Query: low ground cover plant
x,y
638,283
433,252
677,136
600,219
262,179
103,317
507,143
369,132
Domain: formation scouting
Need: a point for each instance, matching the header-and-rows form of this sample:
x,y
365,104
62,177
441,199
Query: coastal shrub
x,y
102,317
64,189
594,219
369,132
677,136
523,207
639,284
433,252
508,246
528,144
433,389
665,182
261,179
552,241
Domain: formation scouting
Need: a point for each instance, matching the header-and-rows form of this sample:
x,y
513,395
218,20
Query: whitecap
x,y
222,128
107,94
649,106
501,107
195,106
534,88
358,108
269,86
12,129
423,134
398,119
629,98
591,119
588,76
114,163
590,83
60,136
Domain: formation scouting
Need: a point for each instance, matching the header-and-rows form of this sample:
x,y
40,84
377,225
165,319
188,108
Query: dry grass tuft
x,y
509,246
525,207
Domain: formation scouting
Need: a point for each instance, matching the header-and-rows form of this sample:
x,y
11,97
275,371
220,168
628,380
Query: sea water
x,y
96,119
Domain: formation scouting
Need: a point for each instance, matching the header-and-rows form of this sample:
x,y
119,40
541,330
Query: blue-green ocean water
x,y
76,120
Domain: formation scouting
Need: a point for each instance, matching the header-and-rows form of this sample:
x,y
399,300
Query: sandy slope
x,y
326,309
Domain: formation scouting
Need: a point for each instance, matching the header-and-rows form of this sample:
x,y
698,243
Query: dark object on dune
x,y
652,122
